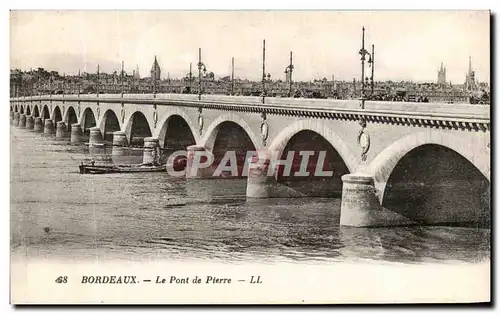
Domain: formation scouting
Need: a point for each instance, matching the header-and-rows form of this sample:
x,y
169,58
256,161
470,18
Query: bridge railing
x,y
252,103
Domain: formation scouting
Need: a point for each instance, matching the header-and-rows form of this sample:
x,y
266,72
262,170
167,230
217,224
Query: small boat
x,y
94,169
102,169
179,164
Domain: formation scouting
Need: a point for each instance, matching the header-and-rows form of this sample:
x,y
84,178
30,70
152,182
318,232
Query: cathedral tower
x,y
155,71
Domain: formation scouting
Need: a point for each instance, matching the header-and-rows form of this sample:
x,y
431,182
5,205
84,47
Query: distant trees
x,y
45,75
54,74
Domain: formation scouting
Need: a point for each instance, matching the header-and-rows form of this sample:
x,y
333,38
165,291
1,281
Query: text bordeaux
x,y
109,279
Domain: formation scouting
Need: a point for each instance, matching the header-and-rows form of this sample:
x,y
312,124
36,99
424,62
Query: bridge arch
x,y
28,110
22,109
45,113
434,177
161,132
382,165
281,140
210,136
36,112
88,120
324,168
70,117
230,134
137,128
109,124
57,115
176,133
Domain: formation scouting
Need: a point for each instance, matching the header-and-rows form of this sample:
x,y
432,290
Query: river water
x,y
57,213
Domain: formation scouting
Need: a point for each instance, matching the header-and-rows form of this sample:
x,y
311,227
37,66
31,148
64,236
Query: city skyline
x,y
175,36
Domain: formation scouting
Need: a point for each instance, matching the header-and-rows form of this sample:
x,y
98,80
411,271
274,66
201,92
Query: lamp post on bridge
x,y
121,78
32,89
363,138
38,84
50,87
97,84
201,67
232,76
190,77
79,83
264,91
154,87
168,83
289,71
363,52
372,64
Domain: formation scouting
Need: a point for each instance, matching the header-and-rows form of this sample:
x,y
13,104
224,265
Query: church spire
x,y
470,65
137,75
155,70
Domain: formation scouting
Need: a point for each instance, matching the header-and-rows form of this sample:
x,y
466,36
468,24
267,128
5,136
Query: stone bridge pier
x,y
389,163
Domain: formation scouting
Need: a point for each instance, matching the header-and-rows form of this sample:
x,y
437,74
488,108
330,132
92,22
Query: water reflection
x,y
151,216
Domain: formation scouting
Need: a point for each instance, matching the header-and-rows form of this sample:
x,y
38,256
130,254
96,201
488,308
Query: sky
x,y
409,45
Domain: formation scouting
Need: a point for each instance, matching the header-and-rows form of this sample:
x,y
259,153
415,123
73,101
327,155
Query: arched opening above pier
x,y
22,110
316,167
45,113
175,135
88,121
109,125
433,184
57,114
28,111
71,117
137,129
231,138
36,113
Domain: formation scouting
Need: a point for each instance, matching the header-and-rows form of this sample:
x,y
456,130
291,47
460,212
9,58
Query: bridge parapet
x,y
351,104
438,115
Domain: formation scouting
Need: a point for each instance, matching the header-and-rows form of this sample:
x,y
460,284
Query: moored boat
x,y
179,164
102,169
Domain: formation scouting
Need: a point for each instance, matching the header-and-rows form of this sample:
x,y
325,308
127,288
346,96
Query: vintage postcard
x,y
250,157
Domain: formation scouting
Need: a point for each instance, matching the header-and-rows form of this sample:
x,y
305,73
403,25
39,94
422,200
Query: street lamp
x,y
189,76
38,84
168,82
50,87
79,83
97,85
264,91
363,52
201,67
122,78
372,64
289,71
154,87
63,85
232,76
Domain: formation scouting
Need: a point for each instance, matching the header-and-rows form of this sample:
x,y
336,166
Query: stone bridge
x,y
393,163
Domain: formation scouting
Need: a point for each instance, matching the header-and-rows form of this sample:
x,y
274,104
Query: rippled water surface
x,y
154,216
